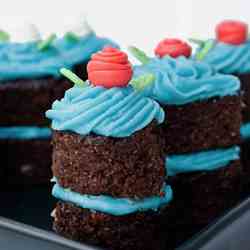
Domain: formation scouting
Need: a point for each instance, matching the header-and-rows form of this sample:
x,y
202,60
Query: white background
x,y
130,22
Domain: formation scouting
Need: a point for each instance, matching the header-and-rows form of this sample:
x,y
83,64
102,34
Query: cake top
x,y
105,105
181,80
34,58
230,52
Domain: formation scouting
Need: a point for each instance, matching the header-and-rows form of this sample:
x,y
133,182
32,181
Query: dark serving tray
x,y
25,224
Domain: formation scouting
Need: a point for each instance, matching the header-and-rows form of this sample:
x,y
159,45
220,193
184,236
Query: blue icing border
x,y
245,131
24,60
179,81
114,206
229,59
115,112
202,161
25,132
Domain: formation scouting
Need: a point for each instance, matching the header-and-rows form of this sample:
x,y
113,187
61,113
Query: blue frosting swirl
x,y
24,60
181,81
115,112
245,131
229,59
114,206
202,161
25,132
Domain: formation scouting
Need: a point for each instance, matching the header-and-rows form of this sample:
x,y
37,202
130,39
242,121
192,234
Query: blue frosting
x,y
181,81
24,60
202,161
114,206
245,131
25,132
230,59
115,112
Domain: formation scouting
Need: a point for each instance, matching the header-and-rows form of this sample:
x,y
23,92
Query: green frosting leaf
x,y
73,77
208,45
139,55
45,44
71,36
197,41
143,81
4,36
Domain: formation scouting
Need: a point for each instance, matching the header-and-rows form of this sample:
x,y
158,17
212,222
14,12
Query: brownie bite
x,y
229,53
29,82
200,134
108,161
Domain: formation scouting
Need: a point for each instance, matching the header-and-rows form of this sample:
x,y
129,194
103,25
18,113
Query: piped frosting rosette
x,y
106,105
109,67
180,81
34,59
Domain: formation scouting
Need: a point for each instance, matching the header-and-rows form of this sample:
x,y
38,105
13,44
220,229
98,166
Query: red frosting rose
x,y
232,32
173,48
109,68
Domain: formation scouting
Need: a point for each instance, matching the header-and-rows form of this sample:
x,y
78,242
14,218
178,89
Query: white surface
x,y
139,22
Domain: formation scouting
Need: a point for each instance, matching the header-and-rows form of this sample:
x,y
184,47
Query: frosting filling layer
x,y
202,161
25,132
113,206
245,131
180,81
115,112
25,61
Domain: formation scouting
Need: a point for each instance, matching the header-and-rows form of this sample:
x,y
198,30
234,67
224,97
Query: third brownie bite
x,y
29,82
229,53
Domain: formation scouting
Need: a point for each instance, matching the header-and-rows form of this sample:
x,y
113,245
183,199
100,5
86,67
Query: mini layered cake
x,y
229,53
201,133
29,82
108,162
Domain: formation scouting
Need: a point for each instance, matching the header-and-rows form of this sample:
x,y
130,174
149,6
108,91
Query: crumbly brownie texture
x,y
139,231
245,158
202,125
26,161
23,102
245,85
119,167
202,197
3,154
245,146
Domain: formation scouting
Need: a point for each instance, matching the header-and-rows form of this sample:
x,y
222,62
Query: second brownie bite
x,y
201,134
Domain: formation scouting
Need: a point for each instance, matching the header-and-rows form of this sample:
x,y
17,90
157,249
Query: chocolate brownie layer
x,y
26,161
245,158
139,231
202,125
24,101
3,154
120,167
201,197
245,85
